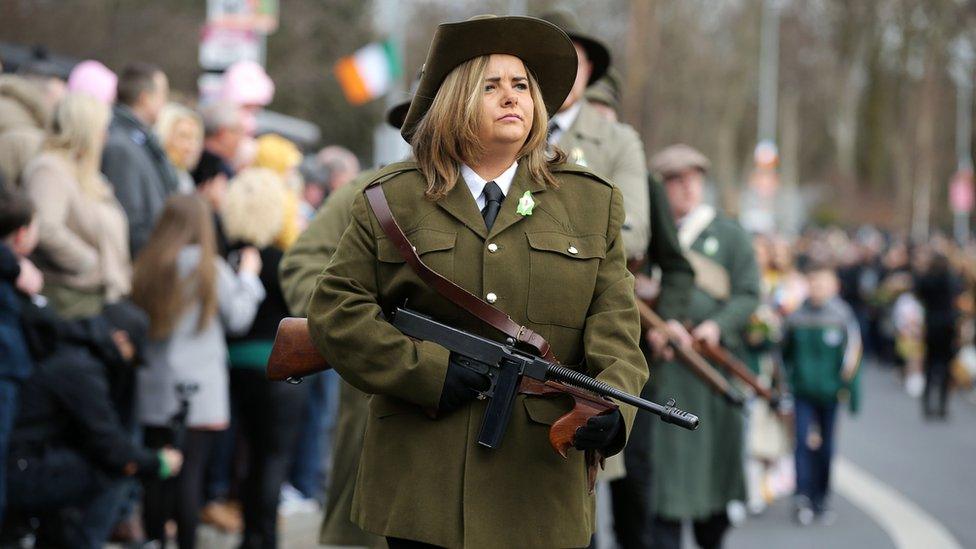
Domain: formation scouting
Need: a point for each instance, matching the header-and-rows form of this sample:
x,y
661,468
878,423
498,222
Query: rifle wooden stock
x,y
734,366
293,355
689,357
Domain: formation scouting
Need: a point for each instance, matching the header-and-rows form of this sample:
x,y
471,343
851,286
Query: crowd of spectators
x,y
140,239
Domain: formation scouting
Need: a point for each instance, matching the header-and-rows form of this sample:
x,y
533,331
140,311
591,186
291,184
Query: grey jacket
x,y
189,356
137,167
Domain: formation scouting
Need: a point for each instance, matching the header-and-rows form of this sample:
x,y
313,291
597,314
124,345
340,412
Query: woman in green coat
x,y
484,206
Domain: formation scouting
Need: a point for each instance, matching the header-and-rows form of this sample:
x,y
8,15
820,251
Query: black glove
x,y
601,433
460,385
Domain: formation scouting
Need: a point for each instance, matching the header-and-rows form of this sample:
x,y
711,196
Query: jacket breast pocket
x,y
562,275
435,248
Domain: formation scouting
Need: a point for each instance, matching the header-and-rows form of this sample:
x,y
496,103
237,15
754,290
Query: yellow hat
x,y
277,153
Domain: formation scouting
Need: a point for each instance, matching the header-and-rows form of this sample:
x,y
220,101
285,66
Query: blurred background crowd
x,y
125,183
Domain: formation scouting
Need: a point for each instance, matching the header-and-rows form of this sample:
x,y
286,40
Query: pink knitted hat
x,y
246,83
95,79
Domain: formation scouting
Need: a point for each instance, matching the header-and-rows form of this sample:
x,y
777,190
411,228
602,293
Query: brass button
x,y
573,250
493,247
491,297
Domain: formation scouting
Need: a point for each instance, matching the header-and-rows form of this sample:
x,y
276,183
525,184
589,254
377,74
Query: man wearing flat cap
x,y
697,476
610,149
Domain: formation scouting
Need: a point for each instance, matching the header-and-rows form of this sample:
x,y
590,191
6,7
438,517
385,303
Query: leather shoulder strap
x,y
448,289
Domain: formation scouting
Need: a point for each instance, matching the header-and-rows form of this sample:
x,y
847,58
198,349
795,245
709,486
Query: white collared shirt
x,y
476,184
563,121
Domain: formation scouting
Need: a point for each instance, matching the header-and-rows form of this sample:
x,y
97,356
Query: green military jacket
x,y
560,271
615,152
697,473
298,272
307,257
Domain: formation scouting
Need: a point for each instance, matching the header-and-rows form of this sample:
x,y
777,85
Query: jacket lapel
x,y
508,215
460,204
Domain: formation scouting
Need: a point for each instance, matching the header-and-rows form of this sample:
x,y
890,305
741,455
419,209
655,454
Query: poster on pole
x,y
222,47
259,16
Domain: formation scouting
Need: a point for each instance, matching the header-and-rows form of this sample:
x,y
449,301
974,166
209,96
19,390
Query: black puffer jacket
x,y
67,403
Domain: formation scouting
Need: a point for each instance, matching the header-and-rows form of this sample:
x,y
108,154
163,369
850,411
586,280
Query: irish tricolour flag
x,y
368,73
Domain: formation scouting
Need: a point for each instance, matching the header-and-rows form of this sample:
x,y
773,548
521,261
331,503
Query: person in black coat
x,y
18,234
70,457
937,288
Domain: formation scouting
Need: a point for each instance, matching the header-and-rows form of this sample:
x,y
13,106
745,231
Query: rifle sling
x,y
449,290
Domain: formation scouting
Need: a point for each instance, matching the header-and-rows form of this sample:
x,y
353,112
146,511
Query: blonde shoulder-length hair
x,y
447,135
169,116
78,132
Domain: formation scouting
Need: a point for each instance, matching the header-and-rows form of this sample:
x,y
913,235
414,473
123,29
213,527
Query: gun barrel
x,y
669,413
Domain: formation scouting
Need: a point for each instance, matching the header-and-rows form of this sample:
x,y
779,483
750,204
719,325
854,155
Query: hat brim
x,y
543,47
397,114
597,53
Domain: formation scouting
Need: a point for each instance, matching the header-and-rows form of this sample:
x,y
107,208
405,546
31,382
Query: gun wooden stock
x,y
293,355
689,357
734,366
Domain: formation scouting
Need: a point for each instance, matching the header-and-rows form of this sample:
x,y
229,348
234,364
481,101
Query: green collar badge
x,y
525,204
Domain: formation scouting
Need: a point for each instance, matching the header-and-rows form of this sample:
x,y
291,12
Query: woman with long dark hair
x,y
192,297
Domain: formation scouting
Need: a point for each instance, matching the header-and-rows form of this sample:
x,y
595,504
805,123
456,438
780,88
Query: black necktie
x,y
493,203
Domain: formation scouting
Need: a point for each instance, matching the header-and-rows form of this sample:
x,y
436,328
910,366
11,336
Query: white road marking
x,y
908,525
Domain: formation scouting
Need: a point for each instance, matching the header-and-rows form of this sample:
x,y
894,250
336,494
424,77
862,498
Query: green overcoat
x,y
560,271
697,473
615,152
299,269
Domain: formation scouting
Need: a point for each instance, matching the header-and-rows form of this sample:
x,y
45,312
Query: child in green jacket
x,y
822,352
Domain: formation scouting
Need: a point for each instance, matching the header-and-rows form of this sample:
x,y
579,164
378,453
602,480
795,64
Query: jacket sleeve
x,y
677,275
347,326
630,176
59,245
83,393
744,275
611,336
122,172
307,258
238,298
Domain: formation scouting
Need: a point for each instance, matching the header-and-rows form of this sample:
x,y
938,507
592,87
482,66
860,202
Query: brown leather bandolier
x,y
586,405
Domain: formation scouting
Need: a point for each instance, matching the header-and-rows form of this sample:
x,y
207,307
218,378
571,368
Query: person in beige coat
x,y
23,117
83,250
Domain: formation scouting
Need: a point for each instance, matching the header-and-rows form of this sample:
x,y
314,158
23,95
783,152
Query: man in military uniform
x,y
610,149
696,476
631,494
300,267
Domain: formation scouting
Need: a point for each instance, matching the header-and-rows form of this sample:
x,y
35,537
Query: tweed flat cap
x,y
677,158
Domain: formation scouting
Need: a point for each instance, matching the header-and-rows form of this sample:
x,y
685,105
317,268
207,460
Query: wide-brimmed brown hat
x,y
676,159
545,50
596,50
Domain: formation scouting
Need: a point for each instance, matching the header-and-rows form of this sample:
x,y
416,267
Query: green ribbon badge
x,y
525,204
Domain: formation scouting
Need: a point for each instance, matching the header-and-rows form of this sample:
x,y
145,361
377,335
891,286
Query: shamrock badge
x,y
711,245
525,204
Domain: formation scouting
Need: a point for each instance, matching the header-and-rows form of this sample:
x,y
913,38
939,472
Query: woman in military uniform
x,y
484,206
